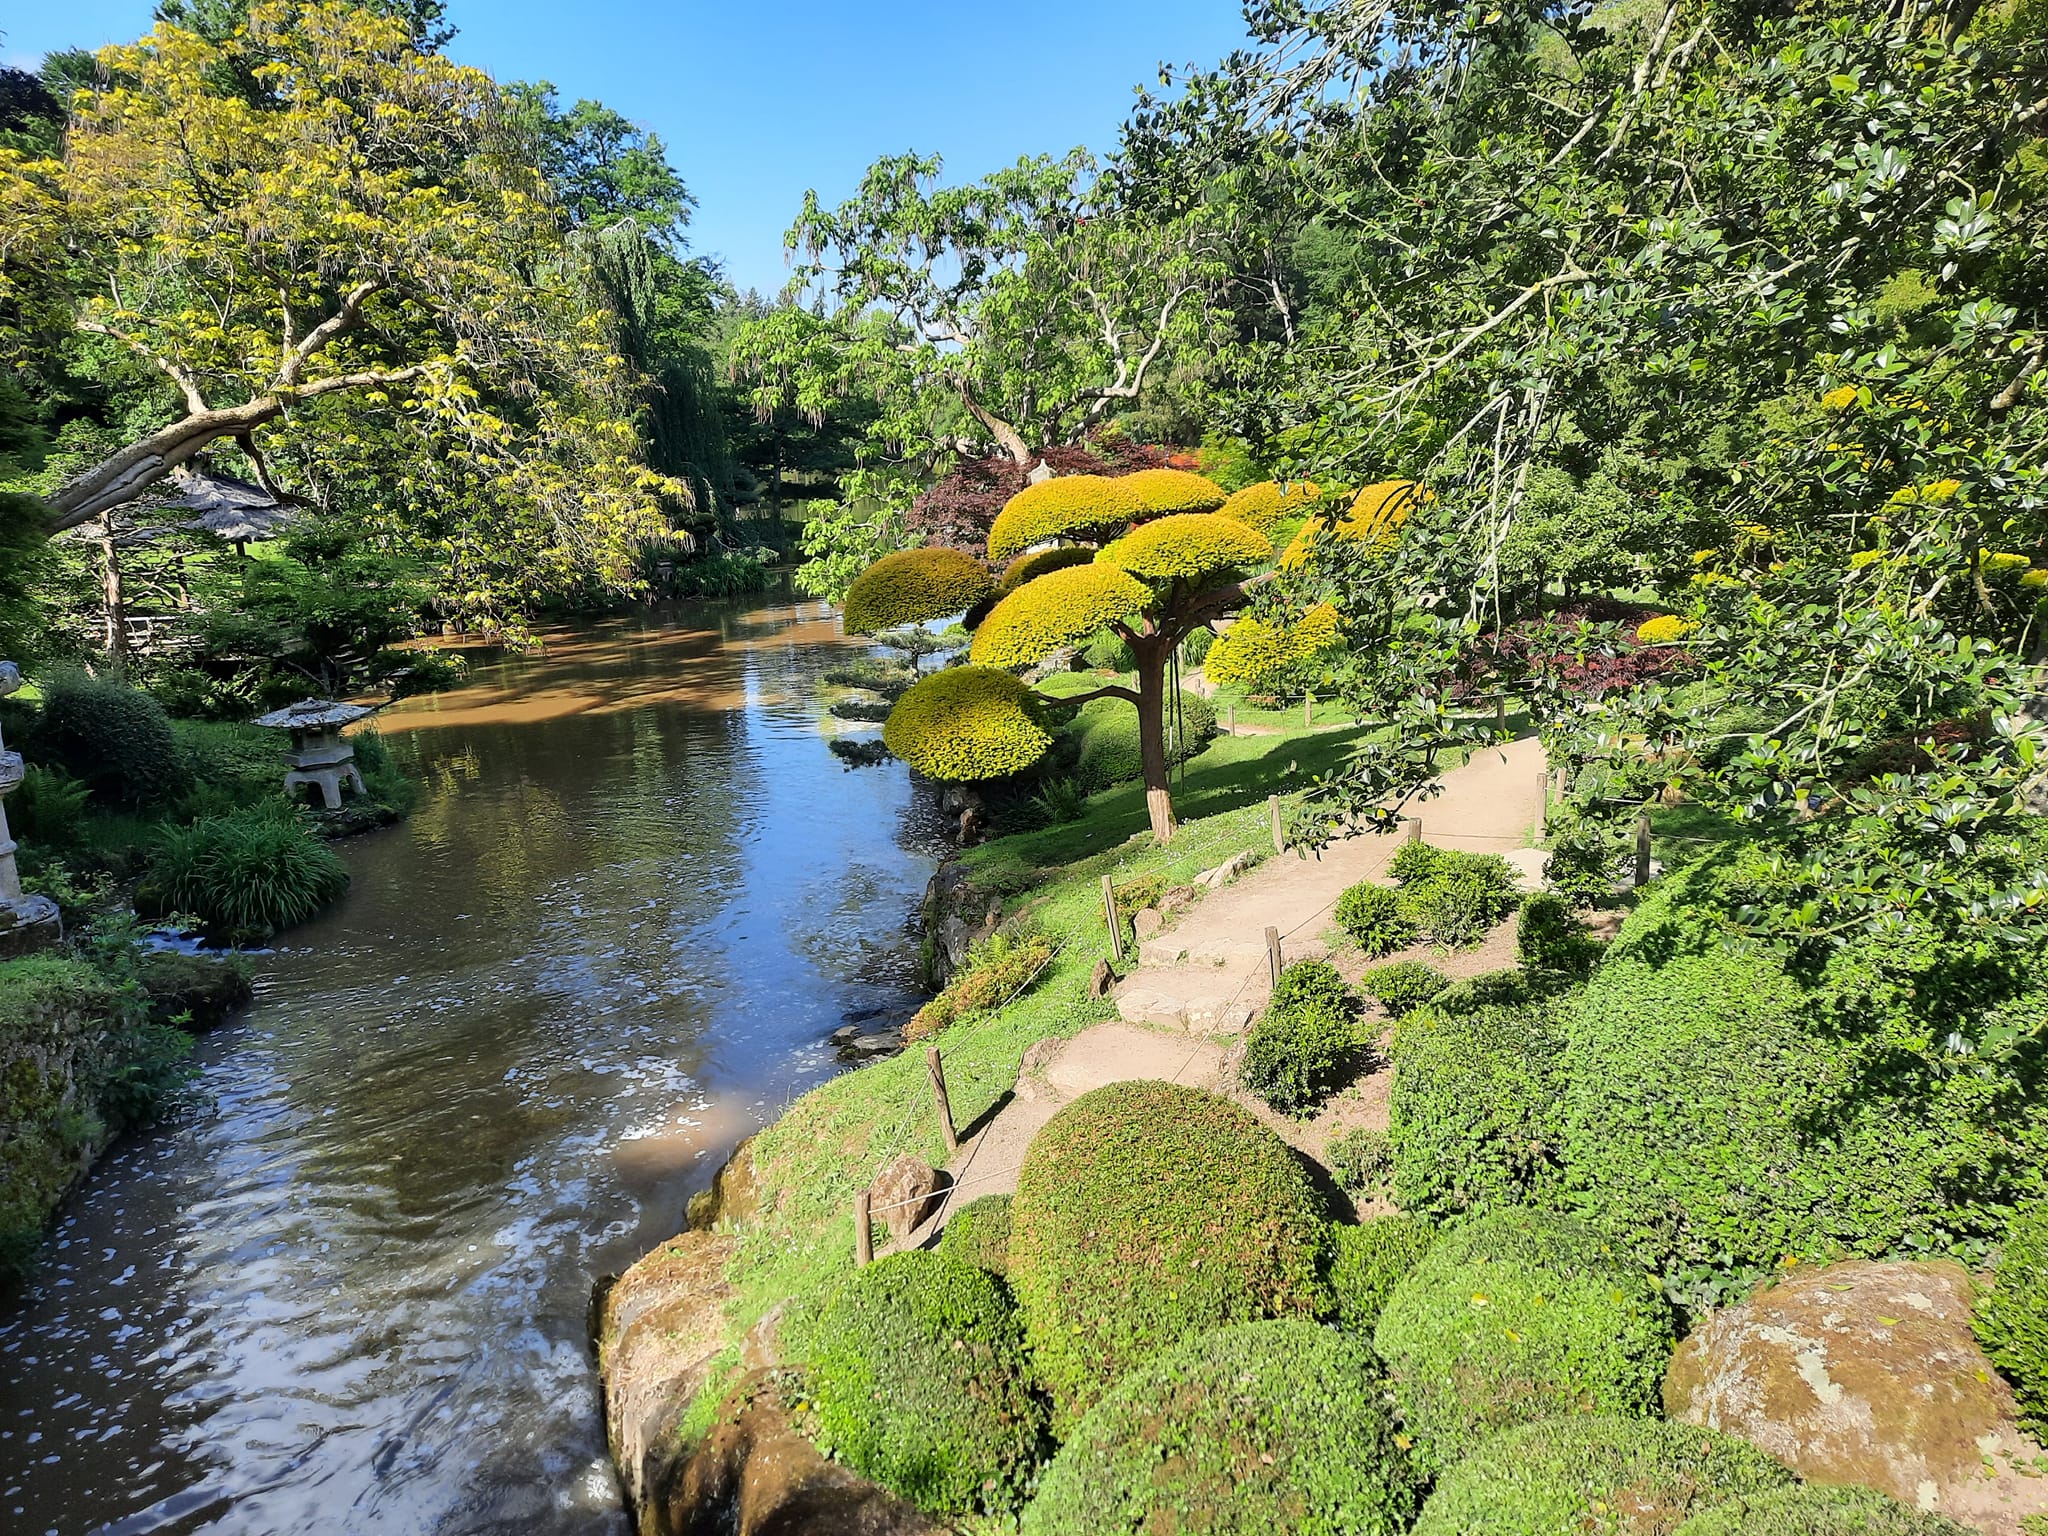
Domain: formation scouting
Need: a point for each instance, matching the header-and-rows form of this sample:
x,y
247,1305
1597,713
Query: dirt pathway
x,y
1197,985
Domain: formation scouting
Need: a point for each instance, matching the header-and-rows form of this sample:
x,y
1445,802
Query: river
x,y
637,895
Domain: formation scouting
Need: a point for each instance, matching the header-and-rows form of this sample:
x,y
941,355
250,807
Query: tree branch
x,y
188,386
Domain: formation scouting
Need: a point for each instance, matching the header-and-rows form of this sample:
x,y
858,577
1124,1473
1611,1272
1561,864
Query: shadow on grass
x,y
1235,771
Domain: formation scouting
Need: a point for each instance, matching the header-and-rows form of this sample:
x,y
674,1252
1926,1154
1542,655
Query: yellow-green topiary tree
x,y
1148,556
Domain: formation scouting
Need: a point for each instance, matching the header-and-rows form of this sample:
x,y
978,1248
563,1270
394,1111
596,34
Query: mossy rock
x,y
1269,1428
195,990
1566,1476
1515,1317
979,1234
1146,1214
1368,1260
1818,1509
919,1381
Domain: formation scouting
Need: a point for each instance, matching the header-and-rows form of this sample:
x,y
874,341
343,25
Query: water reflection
x,y
637,895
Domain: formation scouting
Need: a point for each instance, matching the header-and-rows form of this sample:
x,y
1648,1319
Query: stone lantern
x,y
321,756
26,922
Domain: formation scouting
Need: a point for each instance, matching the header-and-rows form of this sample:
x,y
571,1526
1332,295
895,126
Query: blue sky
x,y
760,99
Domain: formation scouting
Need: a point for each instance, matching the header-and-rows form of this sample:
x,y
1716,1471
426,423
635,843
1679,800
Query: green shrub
x,y
1514,1317
1310,981
1301,1048
1551,941
1105,739
1361,1158
114,739
1462,898
49,807
249,874
979,1234
1272,1427
1415,862
919,1381
1474,1107
1369,1260
1730,1106
2012,1317
1109,652
242,762
1566,1476
1820,1509
1145,1214
1404,986
1375,918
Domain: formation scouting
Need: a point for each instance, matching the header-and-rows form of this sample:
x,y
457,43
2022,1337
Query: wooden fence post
x,y
1273,955
938,1069
1308,710
1642,850
1542,804
1230,719
1110,916
864,1228
1279,826
1414,829
1500,713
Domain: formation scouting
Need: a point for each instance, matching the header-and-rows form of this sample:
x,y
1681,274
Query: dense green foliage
x,y
114,739
1474,1107
1104,739
1360,1158
1302,1047
1819,1509
2012,1317
917,1371
1566,1476
1404,986
968,723
1272,1427
1195,547
245,874
915,586
1375,919
1552,941
1513,1317
1062,607
1725,1103
1147,1214
1455,898
978,1233
1368,1260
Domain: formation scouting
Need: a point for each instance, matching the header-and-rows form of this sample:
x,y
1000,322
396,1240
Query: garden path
x,y
1198,984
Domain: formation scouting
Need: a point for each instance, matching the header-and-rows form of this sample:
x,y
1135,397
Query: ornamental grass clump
x,y
2012,1317
918,1379
1148,1213
1515,1317
246,875
1303,1047
1820,1509
1368,1260
1272,1427
1375,919
1566,1476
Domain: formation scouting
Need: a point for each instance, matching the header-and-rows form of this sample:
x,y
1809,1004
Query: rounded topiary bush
x,y
1515,1317
979,1234
1566,1476
1059,608
115,740
1404,986
1472,1117
1057,508
914,586
1273,1428
1263,505
1820,1509
967,723
918,1380
1159,491
1107,747
1375,919
2012,1318
1195,547
1147,1213
1456,897
1041,561
1368,1261
1299,1051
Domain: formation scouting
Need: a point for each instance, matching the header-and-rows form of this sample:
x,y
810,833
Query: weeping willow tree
x,y
654,296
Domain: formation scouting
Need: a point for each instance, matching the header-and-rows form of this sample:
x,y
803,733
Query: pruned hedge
x,y
915,586
1195,547
968,723
1060,608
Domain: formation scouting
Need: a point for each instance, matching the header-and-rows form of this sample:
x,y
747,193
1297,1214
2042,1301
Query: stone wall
x,y
53,1018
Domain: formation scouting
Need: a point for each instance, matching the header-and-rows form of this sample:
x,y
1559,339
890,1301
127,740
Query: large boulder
x,y
662,1327
1867,1373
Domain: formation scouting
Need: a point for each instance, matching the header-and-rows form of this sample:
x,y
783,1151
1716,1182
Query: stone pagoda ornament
x,y
26,922
321,757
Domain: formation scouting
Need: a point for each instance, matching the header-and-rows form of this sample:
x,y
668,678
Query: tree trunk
x,y
115,603
1152,654
1007,437
125,475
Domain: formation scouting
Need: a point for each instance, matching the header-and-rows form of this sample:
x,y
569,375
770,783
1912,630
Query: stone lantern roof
x,y
315,715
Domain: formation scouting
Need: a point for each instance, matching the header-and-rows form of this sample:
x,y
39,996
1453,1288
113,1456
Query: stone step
x,y
1211,1000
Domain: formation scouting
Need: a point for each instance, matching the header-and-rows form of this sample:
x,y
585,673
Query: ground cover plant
x,y
2012,1318
917,1377
1368,1260
1514,1317
1564,1476
1820,1509
1269,1426
1122,1242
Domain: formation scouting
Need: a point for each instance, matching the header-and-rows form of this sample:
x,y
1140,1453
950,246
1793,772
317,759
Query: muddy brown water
x,y
350,1296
